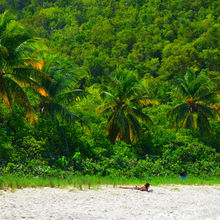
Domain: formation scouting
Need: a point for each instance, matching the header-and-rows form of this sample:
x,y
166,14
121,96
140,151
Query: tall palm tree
x,y
18,51
194,111
60,90
121,99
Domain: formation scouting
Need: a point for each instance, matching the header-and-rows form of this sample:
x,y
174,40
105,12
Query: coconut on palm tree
x,y
194,110
124,114
18,53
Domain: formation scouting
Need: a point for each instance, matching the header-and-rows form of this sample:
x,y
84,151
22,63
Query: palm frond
x,y
75,94
207,95
175,110
23,74
30,46
124,126
56,88
104,108
141,116
135,128
180,118
206,111
203,124
55,108
11,92
184,90
179,115
5,19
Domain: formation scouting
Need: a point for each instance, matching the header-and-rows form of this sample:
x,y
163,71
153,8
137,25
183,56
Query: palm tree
x,y
194,111
18,50
121,99
59,91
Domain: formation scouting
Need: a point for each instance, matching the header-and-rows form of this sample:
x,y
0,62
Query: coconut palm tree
x,y
18,51
121,99
194,111
60,90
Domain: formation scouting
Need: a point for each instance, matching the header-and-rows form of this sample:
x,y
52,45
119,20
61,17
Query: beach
x,y
112,203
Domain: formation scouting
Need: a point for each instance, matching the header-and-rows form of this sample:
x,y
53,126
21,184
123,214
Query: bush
x,y
191,157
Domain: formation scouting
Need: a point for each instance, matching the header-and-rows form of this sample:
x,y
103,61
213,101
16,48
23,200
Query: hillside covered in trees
x,y
117,87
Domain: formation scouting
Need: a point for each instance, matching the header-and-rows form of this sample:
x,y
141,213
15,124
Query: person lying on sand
x,y
141,188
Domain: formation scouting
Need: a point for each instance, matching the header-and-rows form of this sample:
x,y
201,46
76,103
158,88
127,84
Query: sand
x,y
108,203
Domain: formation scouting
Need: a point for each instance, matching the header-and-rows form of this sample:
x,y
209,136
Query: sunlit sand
x,y
165,202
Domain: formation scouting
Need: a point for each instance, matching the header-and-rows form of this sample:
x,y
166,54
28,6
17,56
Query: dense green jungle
x,y
110,88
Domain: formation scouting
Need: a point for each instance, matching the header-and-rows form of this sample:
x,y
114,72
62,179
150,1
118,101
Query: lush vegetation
x,y
109,88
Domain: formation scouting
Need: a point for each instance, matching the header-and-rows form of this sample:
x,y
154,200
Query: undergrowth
x,y
88,182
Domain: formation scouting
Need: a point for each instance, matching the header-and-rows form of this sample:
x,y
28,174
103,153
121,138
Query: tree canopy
x,y
149,68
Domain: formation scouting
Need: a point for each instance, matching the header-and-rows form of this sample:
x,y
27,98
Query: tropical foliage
x,y
194,112
59,89
18,52
149,68
121,103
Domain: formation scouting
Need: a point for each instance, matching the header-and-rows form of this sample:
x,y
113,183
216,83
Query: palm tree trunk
x,y
65,150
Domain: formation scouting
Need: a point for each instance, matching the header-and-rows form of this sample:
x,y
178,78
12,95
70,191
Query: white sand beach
x,y
108,203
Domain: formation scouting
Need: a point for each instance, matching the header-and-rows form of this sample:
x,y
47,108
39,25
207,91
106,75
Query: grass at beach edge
x,y
94,182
